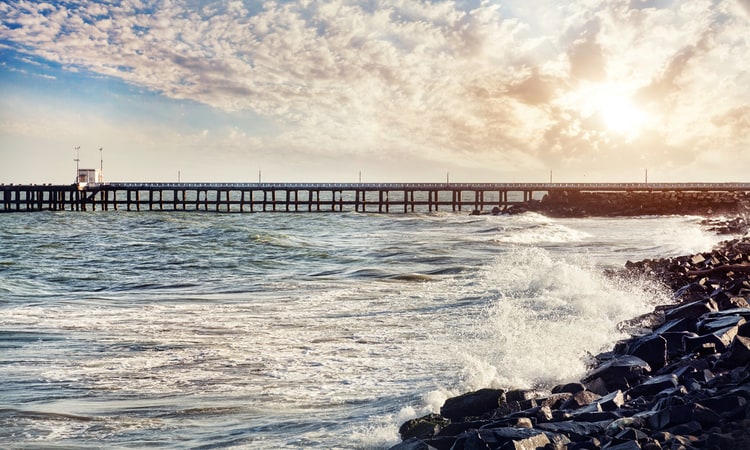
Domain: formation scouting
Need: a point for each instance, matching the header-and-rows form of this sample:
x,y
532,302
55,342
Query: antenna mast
x,y
78,158
101,165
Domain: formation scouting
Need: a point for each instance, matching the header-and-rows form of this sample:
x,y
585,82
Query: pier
x,y
325,197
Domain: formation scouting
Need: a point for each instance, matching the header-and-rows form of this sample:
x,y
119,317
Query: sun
x,y
620,115
607,108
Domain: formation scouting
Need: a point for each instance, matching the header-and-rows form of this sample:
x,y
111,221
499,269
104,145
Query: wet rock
x,y
554,401
457,428
422,427
691,310
712,323
472,403
580,399
413,444
652,349
577,430
678,414
676,343
612,401
618,373
738,352
727,406
571,388
654,385
505,438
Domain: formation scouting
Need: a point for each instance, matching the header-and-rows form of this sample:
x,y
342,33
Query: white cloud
x,y
416,77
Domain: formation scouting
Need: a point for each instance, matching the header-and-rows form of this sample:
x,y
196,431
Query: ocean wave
x,y
542,233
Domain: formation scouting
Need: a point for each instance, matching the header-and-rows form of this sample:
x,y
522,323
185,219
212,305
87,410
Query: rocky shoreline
x,y
682,383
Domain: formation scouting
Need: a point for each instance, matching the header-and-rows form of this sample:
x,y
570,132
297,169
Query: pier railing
x,y
313,197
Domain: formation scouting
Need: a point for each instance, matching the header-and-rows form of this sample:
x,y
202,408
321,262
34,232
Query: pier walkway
x,y
316,197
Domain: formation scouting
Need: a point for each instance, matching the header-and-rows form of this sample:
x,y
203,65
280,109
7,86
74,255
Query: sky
x,y
375,90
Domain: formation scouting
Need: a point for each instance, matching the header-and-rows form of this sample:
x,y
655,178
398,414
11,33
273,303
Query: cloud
x,y
586,57
667,82
460,81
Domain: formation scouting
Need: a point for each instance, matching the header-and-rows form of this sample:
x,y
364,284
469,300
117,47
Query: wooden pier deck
x,y
314,197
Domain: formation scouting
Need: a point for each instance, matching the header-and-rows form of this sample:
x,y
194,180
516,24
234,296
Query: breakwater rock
x,y
682,383
636,203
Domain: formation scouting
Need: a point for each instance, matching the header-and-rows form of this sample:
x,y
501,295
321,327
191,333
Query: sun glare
x,y
611,108
621,116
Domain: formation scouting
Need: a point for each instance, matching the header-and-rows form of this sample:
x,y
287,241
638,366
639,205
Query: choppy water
x,y
201,330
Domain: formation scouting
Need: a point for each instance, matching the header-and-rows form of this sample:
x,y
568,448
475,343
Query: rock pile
x,y
582,204
684,384
737,225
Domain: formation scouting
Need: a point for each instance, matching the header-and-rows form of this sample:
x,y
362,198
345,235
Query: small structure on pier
x,y
87,177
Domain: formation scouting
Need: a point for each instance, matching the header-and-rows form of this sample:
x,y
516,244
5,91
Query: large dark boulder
x,y
727,406
676,325
413,444
670,416
455,429
738,353
620,373
422,427
718,339
575,429
654,385
571,388
691,310
505,438
473,404
612,401
652,349
676,343
711,323
580,399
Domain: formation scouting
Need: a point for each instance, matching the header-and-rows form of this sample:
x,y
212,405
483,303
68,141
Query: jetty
x,y
476,198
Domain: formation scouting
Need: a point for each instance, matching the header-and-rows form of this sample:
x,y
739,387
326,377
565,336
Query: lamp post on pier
x,y
77,159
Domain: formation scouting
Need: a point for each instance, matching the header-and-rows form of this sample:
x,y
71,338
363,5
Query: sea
x,y
210,330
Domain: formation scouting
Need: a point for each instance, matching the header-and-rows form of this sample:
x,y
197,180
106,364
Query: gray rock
x,y
738,352
619,373
676,326
571,388
691,310
719,339
713,323
629,445
652,349
675,342
726,405
612,401
654,385
455,429
505,438
580,399
472,404
413,444
422,427
575,428
670,416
